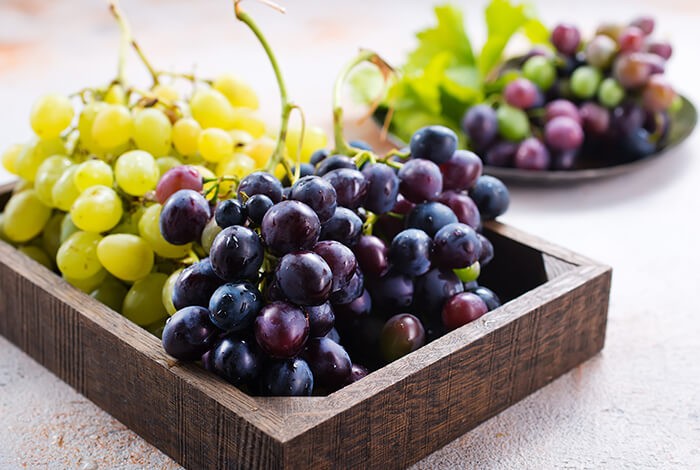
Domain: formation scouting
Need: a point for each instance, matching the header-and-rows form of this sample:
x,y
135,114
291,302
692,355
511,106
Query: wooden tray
x,y
553,320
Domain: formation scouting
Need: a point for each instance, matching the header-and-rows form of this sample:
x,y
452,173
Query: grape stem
x,y
341,145
286,106
368,226
127,40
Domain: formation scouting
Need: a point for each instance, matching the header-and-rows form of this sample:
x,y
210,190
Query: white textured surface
x,y
635,406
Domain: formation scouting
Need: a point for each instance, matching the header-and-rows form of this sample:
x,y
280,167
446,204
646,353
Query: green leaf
x,y
536,32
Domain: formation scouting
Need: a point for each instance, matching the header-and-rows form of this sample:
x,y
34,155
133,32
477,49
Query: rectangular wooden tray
x,y
554,319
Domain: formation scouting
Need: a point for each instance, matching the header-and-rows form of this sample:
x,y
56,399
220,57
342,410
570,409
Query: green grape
x,y
540,71
3,236
245,119
314,139
167,163
238,165
22,185
93,173
610,93
156,328
51,115
126,257
46,176
210,108
97,209
211,230
38,255
167,293
143,303
186,136
85,122
77,257
68,228
136,172
112,126
115,95
167,93
10,156
64,191
51,236
512,123
237,91
130,222
214,144
585,81
149,229
470,273
25,216
88,284
34,154
111,292
152,131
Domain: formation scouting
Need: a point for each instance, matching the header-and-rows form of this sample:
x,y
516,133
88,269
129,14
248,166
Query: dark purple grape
x,y
401,335
637,144
340,259
189,333
488,296
372,256
329,362
334,162
272,291
391,293
480,125
421,180
563,133
260,182
389,225
596,119
288,378
461,171
435,143
237,360
350,186
257,206
565,160
521,93
304,278
660,48
626,119
463,207
644,23
318,194
233,307
318,156
360,144
236,254
501,154
357,372
230,212
491,197
383,188
486,253
462,309
430,217
358,308
409,252
333,335
281,329
566,38
345,226
432,289
631,39
560,107
305,169
184,216
321,319
532,155
456,246
290,226
351,291
195,285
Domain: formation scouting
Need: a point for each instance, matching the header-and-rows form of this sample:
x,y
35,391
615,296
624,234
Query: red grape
x,y
563,133
462,309
566,38
281,329
175,179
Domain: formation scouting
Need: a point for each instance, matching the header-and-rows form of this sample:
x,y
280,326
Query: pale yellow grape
x,y
245,119
51,115
280,172
214,144
25,216
93,173
68,228
22,185
237,91
37,254
111,292
143,303
241,139
64,191
206,174
167,163
3,236
167,292
34,154
51,236
10,156
77,257
185,136
210,108
130,222
89,284
152,131
115,95
112,127
126,257
97,209
211,230
314,139
261,150
238,165
167,93
48,173
149,229
136,172
85,122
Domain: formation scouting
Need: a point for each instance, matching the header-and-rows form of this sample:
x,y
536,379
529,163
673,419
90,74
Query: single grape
x,y
340,259
10,156
334,162
168,290
281,329
189,333
195,285
566,38
97,209
51,115
513,123
47,175
561,133
184,216
289,226
153,131
596,119
637,144
237,253
645,24
304,277
214,144
230,212
291,377
435,143
329,362
350,187
491,197
77,256
501,154
321,319
149,230
461,309
34,154
585,81
392,293
430,217
601,51
345,226
357,372
93,173
372,256
610,93
239,93
463,207
233,307
631,39
456,245
420,180
211,109
51,235
112,126
432,289
111,292
185,136
318,156
626,119
180,177
236,360
136,172
401,335
561,107
126,257
25,216
521,93
660,48
461,170
260,182
487,251
383,188
64,192
317,193
540,70
143,303
658,94
480,125
351,291
409,252
469,274
532,155
256,207
632,70
488,296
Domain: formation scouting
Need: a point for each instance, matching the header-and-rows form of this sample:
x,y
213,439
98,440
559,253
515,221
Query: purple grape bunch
x,y
338,273
605,99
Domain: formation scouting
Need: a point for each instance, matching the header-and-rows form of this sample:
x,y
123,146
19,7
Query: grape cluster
x,y
606,98
355,256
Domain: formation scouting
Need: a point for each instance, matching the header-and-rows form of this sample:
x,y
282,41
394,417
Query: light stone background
x,y
637,405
